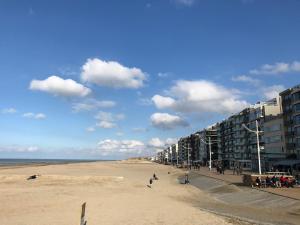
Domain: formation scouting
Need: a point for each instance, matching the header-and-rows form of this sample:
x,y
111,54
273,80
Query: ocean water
x,y
15,162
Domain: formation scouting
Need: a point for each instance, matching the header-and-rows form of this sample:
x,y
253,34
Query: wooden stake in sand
x,y
83,221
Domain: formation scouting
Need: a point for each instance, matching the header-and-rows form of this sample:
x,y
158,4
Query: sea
x,y
22,162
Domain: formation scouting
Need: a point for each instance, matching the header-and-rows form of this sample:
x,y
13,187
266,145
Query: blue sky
x,y
112,79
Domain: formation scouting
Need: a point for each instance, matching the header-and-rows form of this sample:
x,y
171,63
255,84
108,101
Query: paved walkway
x,y
228,177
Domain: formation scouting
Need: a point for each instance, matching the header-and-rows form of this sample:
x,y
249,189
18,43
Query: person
x,y
282,181
223,169
277,182
32,177
258,182
150,182
273,181
268,182
186,180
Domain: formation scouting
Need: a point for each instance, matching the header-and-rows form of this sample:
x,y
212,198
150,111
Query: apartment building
x,y
290,102
234,140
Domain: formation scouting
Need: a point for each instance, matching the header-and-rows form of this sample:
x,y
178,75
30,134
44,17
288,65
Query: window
x,y
297,131
298,142
296,96
297,107
273,139
297,120
274,127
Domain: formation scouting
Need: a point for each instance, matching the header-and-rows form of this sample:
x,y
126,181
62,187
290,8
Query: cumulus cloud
x,y
200,97
167,121
246,79
112,74
8,111
277,68
91,104
60,87
112,147
156,144
37,116
19,149
162,102
272,91
107,120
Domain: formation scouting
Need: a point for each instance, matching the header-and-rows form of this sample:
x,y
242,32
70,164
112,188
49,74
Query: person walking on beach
x,y
150,182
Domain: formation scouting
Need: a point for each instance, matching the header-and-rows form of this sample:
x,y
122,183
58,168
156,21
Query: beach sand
x,y
115,193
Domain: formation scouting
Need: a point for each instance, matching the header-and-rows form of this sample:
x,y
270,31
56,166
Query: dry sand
x,y
115,192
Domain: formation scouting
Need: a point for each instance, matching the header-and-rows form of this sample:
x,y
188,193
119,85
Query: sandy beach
x,y
115,193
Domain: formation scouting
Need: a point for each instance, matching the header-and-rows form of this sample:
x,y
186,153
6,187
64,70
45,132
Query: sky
x,y
116,79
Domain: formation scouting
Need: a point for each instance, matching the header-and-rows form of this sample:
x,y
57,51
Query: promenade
x,y
229,178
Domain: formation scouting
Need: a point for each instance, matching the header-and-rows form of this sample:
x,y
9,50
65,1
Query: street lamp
x,y
188,159
257,132
209,146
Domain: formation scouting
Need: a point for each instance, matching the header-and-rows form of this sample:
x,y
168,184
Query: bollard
x,y
82,220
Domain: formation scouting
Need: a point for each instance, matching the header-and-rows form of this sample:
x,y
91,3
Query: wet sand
x,y
115,193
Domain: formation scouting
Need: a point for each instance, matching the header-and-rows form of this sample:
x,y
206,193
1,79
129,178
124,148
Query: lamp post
x,y
257,132
188,155
209,147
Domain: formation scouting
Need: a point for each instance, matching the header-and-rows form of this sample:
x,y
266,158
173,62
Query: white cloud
x,y
157,144
272,91
277,68
107,116
9,111
91,104
107,120
109,147
246,79
19,149
184,2
112,74
37,116
60,87
162,102
200,97
167,121
106,124
90,129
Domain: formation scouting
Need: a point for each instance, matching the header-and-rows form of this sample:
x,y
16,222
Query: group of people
x,y
238,170
154,177
220,169
275,181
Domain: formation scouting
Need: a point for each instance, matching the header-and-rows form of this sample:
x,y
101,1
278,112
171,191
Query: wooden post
x,y
82,220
